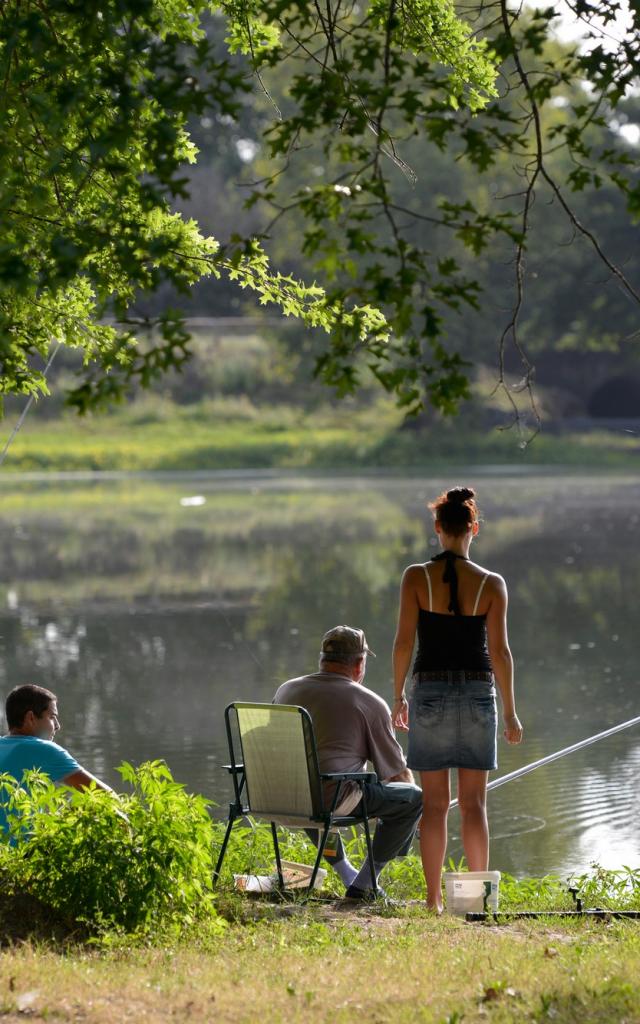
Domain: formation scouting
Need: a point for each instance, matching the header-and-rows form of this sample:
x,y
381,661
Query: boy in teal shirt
x,y
32,719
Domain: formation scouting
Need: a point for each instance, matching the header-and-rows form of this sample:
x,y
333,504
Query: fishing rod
x,y
519,772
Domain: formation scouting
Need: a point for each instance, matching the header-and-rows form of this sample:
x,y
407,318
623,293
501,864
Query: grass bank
x,y
154,434
159,945
327,965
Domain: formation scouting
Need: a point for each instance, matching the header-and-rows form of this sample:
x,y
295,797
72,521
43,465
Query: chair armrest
x,y
349,776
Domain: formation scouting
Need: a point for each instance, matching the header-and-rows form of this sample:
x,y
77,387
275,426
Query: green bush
x,y
608,889
137,864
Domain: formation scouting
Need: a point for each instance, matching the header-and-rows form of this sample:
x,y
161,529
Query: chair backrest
x,y
280,760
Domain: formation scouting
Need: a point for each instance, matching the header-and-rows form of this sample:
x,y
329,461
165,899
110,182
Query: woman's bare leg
x,y
472,800
436,797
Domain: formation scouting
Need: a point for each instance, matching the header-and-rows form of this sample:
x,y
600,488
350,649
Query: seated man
x,y
32,719
352,726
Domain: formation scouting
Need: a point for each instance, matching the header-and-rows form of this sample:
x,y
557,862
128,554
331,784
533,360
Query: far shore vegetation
x,y
223,434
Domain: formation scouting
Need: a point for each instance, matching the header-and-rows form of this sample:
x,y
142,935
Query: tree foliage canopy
x,y
96,102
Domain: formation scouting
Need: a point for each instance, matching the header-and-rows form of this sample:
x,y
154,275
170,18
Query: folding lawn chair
x,y
277,777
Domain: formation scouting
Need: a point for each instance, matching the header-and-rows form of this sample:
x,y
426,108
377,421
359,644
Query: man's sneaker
x,y
365,895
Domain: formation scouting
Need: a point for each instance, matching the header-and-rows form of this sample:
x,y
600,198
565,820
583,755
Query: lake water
x,y
148,605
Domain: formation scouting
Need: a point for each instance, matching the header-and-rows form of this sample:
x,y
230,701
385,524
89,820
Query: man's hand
x,y
404,776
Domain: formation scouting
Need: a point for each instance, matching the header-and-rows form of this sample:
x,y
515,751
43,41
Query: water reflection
x,y
147,614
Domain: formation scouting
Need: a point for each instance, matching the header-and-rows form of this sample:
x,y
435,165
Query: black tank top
x,y
452,641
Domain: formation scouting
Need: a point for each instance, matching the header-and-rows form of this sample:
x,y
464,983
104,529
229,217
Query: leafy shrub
x,y
139,863
609,889
539,894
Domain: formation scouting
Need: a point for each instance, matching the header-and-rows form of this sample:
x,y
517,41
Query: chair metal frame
x,y
323,818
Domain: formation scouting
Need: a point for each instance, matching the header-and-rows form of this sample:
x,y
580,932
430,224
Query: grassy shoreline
x,y
331,960
234,434
76,953
354,966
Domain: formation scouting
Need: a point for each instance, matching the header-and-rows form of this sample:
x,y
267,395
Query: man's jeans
x,y
397,806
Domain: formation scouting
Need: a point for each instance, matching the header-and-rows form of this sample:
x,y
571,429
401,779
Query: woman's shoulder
x,y
414,571
494,581
482,570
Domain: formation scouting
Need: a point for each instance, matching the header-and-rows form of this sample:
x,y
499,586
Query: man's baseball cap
x,y
344,642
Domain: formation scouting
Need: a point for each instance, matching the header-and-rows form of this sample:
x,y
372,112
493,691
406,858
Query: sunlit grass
x,y
349,967
234,433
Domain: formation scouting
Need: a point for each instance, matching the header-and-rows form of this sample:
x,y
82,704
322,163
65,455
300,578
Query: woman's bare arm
x,y
403,644
501,658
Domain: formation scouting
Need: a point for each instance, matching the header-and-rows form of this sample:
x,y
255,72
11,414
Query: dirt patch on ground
x,y
380,918
519,931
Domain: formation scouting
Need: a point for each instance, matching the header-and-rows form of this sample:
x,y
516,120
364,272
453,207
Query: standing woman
x,y
459,612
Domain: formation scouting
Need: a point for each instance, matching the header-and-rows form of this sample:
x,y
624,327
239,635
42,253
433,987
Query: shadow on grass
x,y
24,918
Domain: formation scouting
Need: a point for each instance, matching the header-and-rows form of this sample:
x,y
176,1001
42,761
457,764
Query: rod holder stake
x,y
577,899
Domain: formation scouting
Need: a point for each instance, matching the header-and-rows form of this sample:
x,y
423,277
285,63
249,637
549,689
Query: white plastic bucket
x,y
471,892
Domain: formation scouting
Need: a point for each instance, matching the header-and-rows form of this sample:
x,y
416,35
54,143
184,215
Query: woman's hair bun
x,y
455,510
460,494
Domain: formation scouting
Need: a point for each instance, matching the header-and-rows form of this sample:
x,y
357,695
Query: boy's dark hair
x,y
26,698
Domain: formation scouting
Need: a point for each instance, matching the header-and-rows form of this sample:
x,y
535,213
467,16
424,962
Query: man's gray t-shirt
x,y
352,726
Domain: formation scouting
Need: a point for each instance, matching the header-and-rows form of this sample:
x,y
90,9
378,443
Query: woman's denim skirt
x,y
452,723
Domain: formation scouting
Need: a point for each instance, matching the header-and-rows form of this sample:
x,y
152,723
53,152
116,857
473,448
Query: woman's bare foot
x,y
434,908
